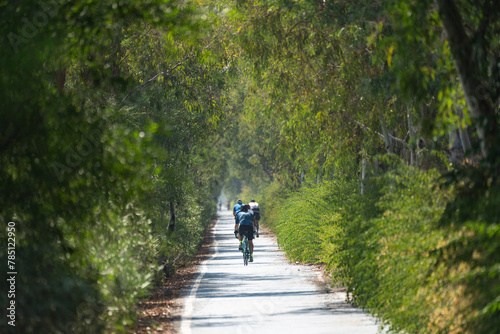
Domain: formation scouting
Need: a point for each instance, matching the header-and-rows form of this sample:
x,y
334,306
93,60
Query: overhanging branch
x,y
364,127
164,73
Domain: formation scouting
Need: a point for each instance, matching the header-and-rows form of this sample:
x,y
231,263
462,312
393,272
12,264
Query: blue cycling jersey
x,y
237,208
245,218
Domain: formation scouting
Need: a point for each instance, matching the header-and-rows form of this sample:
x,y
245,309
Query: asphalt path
x,y
270,295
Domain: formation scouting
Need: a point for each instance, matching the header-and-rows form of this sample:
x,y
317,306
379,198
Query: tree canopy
x,y
121,123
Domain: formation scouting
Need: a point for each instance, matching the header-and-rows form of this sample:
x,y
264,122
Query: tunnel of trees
x,y
367,130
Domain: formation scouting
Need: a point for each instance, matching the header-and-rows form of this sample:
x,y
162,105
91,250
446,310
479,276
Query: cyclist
x,y
246,221
254,206
236,209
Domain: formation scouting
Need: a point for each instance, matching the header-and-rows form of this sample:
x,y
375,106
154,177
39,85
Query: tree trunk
x,y
363,172
61,79
116,55
319,176
456,151
387,137
171,222
480,107
465,140
412,144
464,135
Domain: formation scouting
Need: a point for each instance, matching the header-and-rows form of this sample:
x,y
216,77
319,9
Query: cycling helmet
x,y
252,200
240,201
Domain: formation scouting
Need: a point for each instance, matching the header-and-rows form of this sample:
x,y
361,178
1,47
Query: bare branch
x,y
405,144
164,73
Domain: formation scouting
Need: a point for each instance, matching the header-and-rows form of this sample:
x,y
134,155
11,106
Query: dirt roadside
x,y
161,313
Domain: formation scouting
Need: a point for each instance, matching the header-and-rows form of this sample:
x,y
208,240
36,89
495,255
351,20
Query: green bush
x,y
395,250
180,246
472,254
389,251
84,249
309,223
273,197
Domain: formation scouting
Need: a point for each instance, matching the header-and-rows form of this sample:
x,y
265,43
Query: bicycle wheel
x,y
246,251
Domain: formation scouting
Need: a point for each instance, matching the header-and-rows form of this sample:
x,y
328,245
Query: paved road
x,y
268,296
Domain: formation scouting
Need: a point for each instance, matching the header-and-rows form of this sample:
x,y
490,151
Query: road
x,y
269,295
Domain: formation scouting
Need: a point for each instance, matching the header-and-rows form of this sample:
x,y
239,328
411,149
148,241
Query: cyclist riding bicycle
x,y
245,219
254,206
236,209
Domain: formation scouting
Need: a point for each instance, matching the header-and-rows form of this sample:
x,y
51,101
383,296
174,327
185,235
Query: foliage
x,y
473,218
311,221
93,154
273,198
121,122
355,90
389,252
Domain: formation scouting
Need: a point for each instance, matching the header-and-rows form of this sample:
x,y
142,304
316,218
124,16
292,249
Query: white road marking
x,y
187,310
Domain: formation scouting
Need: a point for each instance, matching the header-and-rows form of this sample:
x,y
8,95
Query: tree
x,y
83,148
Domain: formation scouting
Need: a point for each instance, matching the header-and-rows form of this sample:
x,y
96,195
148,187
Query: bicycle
x,y
245,250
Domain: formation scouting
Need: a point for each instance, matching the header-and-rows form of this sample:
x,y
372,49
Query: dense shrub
x,y
309,223
84,251
472,255
399,256
389,252
179,246
273,197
